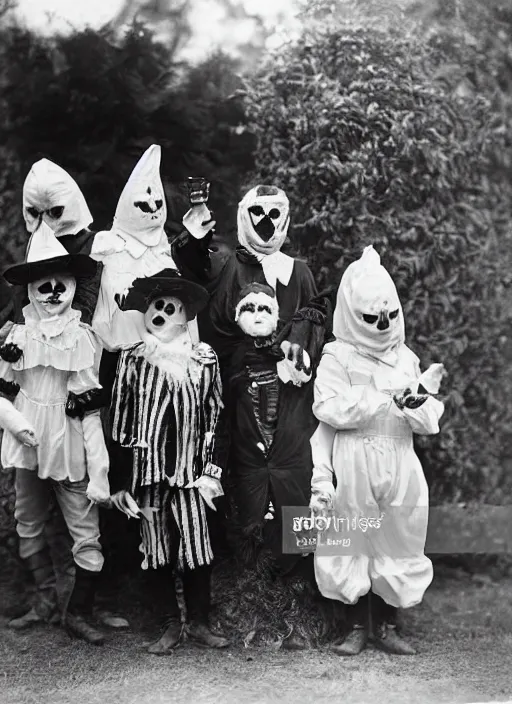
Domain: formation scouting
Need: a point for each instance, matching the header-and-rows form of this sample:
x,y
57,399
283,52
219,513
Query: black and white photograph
x,y
255,351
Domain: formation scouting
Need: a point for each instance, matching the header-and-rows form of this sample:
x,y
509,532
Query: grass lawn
x,y
463,632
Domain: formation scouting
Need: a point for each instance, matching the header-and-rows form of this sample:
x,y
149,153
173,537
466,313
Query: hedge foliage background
x,y
386,122
391,125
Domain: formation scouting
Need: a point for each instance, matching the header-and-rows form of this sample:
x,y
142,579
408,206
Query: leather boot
x,y
45,607
78,614
196,587
173,628
385,632
357,637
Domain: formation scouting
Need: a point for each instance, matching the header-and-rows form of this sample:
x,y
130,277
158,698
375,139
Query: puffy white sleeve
x,y
338,403
12,420
322,444
84,380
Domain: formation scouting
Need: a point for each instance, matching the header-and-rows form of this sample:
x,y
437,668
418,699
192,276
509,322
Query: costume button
x,y
254,385
261,446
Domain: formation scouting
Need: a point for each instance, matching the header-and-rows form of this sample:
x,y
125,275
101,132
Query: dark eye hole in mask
x,y
59,288
159,305
56,212
158,321
264,309
370,319
247,308
33,212
257,210
393,314
170,309
142,205
274,214
159,204
45,288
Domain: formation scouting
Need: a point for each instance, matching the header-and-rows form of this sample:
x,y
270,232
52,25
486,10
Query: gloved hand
x,y
296,365
125,503
198,221
406,399
209,488
320,504
10,352
78,405
27,438
98,489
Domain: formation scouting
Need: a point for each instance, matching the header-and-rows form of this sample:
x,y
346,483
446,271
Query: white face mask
x,y
257,315
166,318
263,219
368,313
142,211
52,295
50,195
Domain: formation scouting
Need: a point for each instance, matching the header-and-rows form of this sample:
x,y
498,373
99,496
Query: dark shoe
x,y
200,634
354,643
77,626
45,604
169,639
78,616
387,639
107,618
295,642
33,618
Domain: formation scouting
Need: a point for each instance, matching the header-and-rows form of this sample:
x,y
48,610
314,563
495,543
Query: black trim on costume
x,y
9,388
11,352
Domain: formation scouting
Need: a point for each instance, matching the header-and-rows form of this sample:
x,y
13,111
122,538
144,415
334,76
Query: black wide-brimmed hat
x,y
167,282
46,256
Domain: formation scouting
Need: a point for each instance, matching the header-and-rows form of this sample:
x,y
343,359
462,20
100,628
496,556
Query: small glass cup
x,y
198,190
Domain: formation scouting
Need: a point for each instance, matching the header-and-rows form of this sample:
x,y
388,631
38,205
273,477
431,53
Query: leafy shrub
x,y
375,143
92,103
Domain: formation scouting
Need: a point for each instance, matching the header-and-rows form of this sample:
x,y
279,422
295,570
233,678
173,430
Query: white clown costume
x,y
364,460
51,196
49,364
136,247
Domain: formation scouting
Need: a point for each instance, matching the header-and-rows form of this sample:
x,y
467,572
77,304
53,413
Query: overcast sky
x,y
208,18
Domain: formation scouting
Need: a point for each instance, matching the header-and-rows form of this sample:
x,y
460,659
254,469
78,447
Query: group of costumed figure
x,y
179,372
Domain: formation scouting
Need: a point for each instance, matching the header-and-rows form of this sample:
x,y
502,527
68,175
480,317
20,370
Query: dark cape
x,y
304,316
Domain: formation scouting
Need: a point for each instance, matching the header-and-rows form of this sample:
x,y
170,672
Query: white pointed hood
x,y
52,196
43,245
366,289
142,211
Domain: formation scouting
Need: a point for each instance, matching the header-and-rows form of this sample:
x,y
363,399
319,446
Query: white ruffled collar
x,y
45,329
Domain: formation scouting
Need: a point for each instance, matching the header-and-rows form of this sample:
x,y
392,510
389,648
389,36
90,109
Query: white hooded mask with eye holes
x,y
51,196
52,295
166,318
166,342
263,220
142,211
368,313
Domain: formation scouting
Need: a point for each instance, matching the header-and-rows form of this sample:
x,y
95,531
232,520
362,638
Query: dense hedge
x,y
93,103
377,138
384,128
